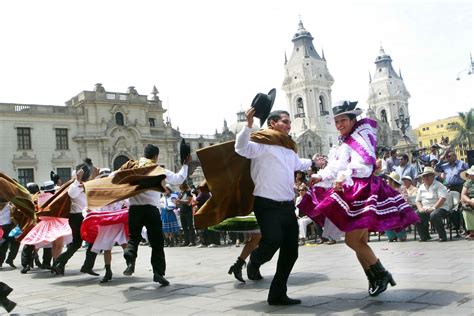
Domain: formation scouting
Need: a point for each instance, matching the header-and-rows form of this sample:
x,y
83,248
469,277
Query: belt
x,y
280,203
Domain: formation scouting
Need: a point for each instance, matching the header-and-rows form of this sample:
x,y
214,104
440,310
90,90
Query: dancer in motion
x,y
358,201
273,157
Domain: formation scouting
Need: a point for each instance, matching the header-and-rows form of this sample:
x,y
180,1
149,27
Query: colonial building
x,y
307,84
388,102
108,127
439,132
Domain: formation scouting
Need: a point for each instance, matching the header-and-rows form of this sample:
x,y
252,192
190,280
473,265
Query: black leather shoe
x,y
25,269
5,290
58,268
89,271
130,268
253,273
11,264
284,300
160,279
7,304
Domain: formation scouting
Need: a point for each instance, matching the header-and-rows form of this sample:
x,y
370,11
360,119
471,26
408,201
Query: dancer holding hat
x,y
272,155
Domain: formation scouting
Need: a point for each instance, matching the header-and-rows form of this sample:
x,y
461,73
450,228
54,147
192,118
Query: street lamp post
x,y
403,123
469,70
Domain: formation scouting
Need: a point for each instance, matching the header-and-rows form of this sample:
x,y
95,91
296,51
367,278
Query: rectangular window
x,y
61,139
24,138
151,120
64,174
421,144
436,140
25,176
431,142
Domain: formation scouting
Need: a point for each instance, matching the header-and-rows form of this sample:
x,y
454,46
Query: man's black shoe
x,y
5,290
284,300
7,304
130,268
253,273
89,271
11,264
160,279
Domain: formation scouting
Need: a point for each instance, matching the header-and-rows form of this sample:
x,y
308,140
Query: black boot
x,y
5,290
371,277
382,278
253,272
7,304
89,262
37,260
108,274
58,268
236,269
47,256
130,264
25,269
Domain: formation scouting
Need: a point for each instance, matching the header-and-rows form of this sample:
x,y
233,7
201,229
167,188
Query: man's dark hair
x,y
393,152
151,151
33,188
275,116
404,157
87,171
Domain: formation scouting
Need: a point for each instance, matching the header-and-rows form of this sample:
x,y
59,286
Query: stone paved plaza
x,y
433,279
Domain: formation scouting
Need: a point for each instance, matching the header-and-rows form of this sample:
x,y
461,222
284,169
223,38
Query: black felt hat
x,y
184,150
345,107
263,104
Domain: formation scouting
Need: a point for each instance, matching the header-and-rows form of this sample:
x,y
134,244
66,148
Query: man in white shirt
x,y
272,169
78,206
144,211
431,205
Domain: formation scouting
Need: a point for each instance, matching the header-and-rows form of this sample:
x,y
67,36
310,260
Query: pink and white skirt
x,y
48,230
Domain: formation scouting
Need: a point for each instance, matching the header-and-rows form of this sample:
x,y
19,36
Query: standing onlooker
x,y
184,202
451,169
168,217
431,205
209,238
467,200
8,242
392,161
405,168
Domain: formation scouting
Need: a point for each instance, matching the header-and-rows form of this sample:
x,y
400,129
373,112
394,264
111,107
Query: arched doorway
x,y
119,161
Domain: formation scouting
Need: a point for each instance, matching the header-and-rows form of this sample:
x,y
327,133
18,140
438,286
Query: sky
x,y
209,58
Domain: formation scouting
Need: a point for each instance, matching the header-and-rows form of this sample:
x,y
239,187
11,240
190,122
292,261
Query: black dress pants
x,y
148,216
8,243
279,228
75,222
186,217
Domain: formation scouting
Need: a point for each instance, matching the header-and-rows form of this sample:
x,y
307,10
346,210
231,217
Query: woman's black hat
x,y
346,107
263,104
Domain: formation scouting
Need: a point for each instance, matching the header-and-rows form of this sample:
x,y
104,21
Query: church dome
x,y
237,127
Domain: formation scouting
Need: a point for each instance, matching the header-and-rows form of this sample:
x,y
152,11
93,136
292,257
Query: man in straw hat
x,y
431,204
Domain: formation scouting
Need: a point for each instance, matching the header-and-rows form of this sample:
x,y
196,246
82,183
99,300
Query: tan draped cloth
x,y
59,204
23,212
133,178
228,178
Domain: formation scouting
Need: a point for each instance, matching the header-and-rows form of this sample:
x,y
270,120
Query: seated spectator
x,y
467,200
410,189
303,220
393,180
431,204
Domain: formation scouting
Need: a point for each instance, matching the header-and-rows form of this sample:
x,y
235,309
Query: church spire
x,y
370,77
286,59
322,53
400,73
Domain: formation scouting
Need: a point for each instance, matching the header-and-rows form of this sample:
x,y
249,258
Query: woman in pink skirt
x,y
358,201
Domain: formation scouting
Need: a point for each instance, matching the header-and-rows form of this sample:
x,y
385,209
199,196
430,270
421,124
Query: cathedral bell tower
x,y
388,96
307,85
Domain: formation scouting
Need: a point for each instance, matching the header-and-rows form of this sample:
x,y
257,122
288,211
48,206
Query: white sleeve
x,y
74,189
302,163
246,148
177,178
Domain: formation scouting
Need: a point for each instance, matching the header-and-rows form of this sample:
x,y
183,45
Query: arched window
x,y
322,106
299,107
119,119
383,116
